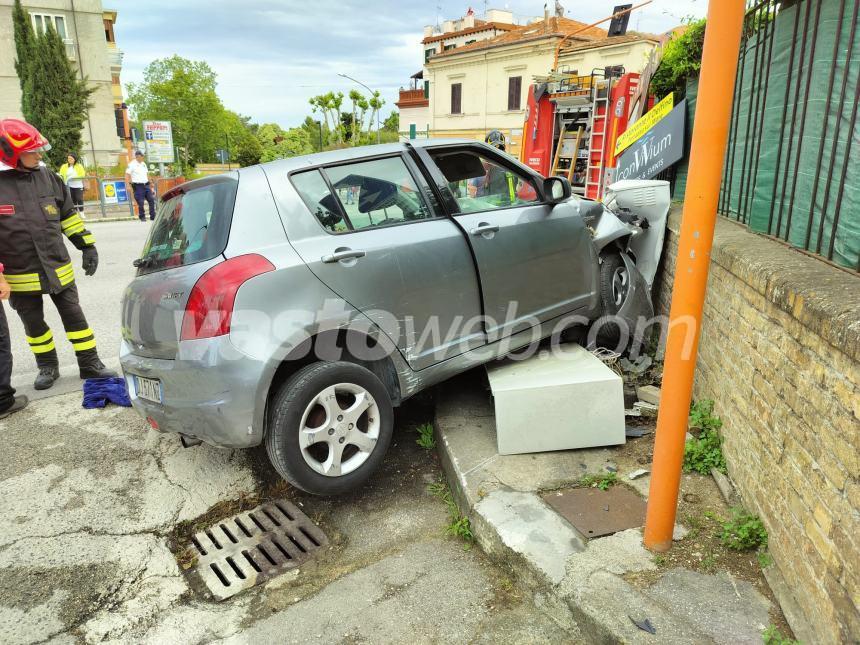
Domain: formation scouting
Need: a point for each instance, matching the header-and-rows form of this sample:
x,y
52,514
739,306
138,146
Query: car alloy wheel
x,y
620,285
339,429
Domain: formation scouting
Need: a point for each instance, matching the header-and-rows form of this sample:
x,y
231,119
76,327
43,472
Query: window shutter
x,y
456,95
514,89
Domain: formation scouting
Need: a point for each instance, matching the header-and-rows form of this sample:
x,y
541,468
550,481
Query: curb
x,y
579,583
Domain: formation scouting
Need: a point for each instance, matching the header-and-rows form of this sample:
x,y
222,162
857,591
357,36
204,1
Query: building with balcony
x,y
482,86
414,100
87,29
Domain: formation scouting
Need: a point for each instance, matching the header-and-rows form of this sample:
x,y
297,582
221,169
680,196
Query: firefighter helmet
x,y
496,139
18,136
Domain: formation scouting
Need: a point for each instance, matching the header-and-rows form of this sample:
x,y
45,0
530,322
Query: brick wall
x,y
779,354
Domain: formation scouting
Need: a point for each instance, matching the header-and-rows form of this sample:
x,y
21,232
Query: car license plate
x,y
148,388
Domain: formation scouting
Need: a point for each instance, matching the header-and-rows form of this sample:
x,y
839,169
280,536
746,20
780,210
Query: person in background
x,y
73,174
138,175
9,403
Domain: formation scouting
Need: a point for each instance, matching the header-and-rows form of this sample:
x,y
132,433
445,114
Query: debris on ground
x,y
636,474
725,486
649,394
645,625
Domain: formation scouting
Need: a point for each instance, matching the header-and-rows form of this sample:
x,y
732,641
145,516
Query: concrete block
x,y
557,401
649,394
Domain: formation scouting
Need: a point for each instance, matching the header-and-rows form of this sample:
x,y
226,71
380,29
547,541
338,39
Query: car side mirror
x,y
556,189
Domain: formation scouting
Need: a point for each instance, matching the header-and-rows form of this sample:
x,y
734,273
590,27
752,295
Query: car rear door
x,y
535,259
376,238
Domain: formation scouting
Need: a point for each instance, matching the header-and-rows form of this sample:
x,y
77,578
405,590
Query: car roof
x,y
358,152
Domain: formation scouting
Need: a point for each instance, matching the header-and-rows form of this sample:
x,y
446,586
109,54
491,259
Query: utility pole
x,y
710,133
371,94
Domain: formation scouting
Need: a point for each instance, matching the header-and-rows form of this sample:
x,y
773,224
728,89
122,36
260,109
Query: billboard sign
x,y
158,138
643,124
114,191
657,149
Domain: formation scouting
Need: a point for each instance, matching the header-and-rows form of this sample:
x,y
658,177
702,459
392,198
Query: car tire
x,y
614,290
318,437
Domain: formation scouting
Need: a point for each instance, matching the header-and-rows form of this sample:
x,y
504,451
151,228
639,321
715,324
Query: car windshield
x,y
192,225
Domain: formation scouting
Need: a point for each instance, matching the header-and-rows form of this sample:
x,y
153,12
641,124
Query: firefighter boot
x,y
91,366
47,375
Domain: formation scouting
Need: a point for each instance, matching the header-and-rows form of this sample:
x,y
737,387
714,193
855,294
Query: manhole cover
x,y
254,546
594,512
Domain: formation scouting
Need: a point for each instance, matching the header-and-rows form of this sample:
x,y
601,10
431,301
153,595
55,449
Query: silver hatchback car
x,y
295,303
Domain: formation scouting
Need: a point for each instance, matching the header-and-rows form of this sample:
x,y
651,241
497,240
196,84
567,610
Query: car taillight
x,y
210,305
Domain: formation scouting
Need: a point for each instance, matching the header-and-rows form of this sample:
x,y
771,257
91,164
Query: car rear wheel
x,y
330,425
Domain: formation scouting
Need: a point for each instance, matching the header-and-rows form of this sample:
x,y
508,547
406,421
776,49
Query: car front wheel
x,y
330,425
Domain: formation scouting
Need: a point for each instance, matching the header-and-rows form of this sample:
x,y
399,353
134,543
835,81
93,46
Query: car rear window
x,y
192,225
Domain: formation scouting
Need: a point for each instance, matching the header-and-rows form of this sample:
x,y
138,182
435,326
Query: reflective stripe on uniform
x,y
89,238
84,345
48,335
66,274
82,340
24,282
73,225
42,349
42,344
78,335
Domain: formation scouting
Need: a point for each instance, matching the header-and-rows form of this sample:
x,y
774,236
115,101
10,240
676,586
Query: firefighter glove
x,y
91,260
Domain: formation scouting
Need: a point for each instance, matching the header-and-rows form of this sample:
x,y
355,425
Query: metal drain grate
x,y
254,546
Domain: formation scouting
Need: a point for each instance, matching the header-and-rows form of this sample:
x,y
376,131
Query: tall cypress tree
x,y
55,100
25,39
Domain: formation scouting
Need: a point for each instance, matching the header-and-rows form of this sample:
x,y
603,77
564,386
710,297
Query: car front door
x,y
375,237
535,259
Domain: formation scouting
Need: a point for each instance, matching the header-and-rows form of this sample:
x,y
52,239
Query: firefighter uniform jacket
x,y
36,209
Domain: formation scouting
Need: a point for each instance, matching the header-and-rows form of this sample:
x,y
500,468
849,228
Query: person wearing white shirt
x,y
138,175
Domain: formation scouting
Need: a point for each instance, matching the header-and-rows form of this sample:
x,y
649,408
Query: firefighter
x,y
499,182
36,209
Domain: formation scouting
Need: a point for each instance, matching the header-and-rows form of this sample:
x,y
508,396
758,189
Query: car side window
x,y
318,198
377,193
481,184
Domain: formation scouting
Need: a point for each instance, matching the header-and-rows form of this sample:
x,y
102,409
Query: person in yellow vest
x,y
73,173
36,210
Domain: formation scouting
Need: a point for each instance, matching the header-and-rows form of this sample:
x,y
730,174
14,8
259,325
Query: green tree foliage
x,y
25,42
392,122
278,143
682,58
54,99
318,133
329,105
240,138
248,151
182,91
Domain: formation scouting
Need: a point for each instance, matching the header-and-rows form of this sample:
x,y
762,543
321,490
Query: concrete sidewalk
x,y
598,587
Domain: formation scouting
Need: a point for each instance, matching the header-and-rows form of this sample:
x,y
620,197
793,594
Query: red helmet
x,y
18,136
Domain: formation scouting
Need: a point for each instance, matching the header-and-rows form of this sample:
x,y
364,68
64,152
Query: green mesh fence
x,y
793,159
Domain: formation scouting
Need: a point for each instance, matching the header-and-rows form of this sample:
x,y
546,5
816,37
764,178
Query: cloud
x,y
272,56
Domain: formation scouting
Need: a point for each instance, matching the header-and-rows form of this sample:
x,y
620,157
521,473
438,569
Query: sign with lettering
x,y
158,137
644,123
114,191
657,149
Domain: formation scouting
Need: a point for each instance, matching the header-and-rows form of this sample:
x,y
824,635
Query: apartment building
x,y
87,29
414,101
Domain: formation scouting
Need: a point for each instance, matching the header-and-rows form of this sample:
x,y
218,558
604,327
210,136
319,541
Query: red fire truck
x,y
573,122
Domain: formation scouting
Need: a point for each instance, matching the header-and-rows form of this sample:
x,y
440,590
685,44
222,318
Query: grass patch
x,y
603,481
459,525
426,439
743,532
772,636
705,451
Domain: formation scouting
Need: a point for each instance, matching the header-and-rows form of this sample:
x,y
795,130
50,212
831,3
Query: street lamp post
x,y
371,93
319,124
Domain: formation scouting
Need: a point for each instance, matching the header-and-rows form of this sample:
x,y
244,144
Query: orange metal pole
x,y
710,133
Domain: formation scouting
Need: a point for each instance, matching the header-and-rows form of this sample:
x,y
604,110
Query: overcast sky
x,y
271,56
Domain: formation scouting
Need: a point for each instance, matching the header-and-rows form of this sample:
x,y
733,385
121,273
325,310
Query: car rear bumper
x,y
207,393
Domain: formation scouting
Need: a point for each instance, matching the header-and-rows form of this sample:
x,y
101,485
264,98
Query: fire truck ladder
x,y
597,142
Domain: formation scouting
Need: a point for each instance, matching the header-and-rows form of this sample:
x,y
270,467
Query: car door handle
x,y
346,254
483,228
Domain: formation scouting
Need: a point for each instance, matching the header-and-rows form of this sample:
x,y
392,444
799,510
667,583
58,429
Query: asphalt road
x,y
118,243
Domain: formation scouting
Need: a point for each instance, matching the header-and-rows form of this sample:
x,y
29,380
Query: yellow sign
x,y
110,190
645,123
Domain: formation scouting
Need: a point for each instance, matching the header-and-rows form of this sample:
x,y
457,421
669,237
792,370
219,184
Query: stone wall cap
x,y
823,298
